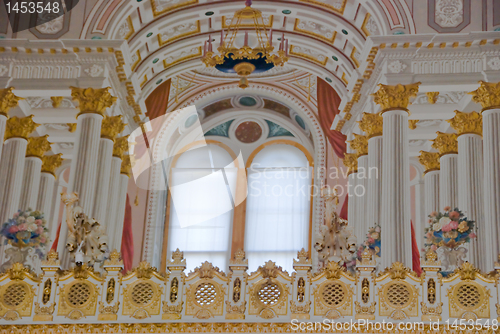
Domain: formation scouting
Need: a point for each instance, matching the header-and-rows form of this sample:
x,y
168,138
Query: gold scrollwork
x,y
469,299
268,298
333,295
142,298
16,298
78,299
398,300
204,298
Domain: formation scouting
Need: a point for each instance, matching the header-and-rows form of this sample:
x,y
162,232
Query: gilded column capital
x,y
360,144
8,100
92,101
430,160
37,146
395,97
465,123
120,147
112,126
126,167
371,124
51,162
488,94
20,127
351,162
445,143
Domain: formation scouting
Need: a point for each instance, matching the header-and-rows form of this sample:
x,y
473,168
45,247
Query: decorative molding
x,y
369,26
447,16
309,54
126,29
94,71
182,56
37,102
494,63
442,98
396,66
161,6
315,29
335,5
179,31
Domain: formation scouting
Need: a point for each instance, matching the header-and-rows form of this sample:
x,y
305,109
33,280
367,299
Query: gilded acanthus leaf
x,y
430,160
445,143
488,95
20,127
51,162
37,146
467,122
371,124
92,100
8,100
394,97
359,144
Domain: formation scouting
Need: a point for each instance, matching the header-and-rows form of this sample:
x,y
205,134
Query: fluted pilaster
x,y
120,146
111,127
37,146
488,94
430,160
122,201
395,212
372,125
360,144
46,190
351,162
447,145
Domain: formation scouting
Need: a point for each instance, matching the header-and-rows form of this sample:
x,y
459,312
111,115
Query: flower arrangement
x,y
449,229
26,229
373,241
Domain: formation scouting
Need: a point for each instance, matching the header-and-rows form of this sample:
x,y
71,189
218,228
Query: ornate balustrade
x,y
268,296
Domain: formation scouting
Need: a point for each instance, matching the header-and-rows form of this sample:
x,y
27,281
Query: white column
x,y
3,121
491,147
360,192
120,213
352,206
431,185
83,171
31,183
102,185
448,181
45,195
113,191
11,176
470,195
374,181
395,211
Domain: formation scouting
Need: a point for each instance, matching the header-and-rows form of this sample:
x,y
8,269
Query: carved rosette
x,y
465,123
351,162
51,162
92,101
112,126
120,147
20,127
395,97
488,94
430,160
37,146
360,144
8,100
371,124
446,143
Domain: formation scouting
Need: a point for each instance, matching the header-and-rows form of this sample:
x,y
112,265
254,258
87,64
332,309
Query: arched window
x,y
278,205
201,205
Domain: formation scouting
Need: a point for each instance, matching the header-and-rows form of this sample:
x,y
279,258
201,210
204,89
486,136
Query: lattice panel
x,y
142,293
269,293
333,294
468,296
78,294
15,295
398,295
205,294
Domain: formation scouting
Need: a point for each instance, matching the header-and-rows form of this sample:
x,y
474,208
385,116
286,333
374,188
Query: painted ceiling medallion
x,y
245,60
248,132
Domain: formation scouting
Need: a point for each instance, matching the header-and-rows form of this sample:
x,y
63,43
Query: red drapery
x,y
415,253
127,238
328,107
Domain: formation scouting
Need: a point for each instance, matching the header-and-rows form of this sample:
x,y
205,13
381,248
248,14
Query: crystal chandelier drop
x,y
245,60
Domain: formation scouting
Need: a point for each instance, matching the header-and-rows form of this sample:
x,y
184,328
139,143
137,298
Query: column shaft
x,y
31,183
491,144
362,198
374,181
120,213
352,206
395,211
11,176
448,181
45,195
113,191
3,122
431,184
102,185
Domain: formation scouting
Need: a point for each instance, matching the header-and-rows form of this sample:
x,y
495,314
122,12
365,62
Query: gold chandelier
x,y
245,60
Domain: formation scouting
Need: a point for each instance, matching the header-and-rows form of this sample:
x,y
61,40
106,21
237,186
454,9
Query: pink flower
x,y
39,230
43,240
23,227
371,240
434,247
13,229
446,228
16,214
454,215
429,235
433,214
447,208
453,225
38,222
472,235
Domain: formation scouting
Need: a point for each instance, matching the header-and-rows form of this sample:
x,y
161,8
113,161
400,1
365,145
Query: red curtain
x,y
415,253
127,238
328,108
